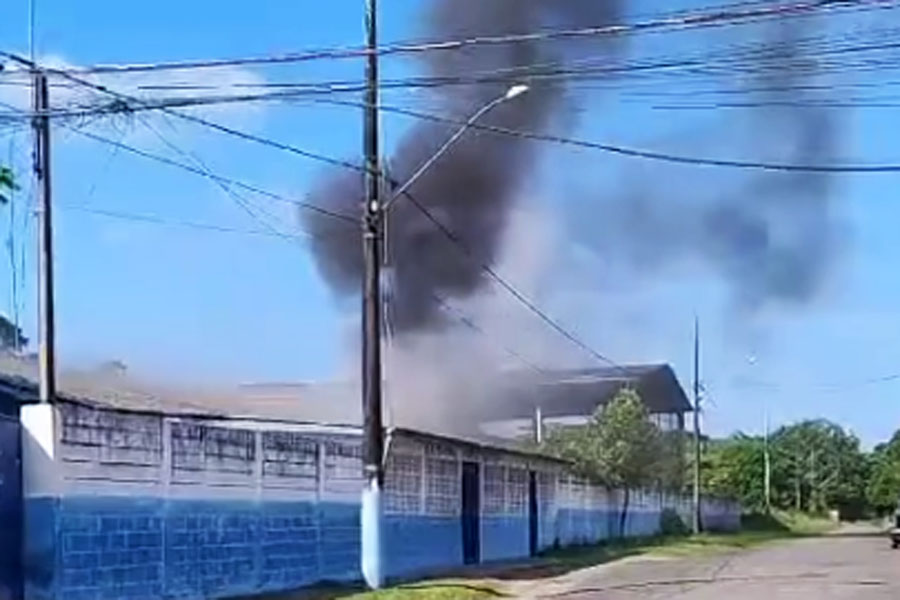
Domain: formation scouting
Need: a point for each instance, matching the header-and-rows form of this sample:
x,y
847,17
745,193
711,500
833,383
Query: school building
x,y
176,500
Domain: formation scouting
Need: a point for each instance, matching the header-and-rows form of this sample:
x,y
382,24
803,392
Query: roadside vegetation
x,y
757,530
817,467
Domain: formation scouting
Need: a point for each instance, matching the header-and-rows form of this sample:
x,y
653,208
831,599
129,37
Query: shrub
x,y
670,523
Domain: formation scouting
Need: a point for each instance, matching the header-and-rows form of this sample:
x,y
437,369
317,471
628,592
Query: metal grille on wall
x,y
403,483
290,456
343,465
114,437
494,489
516,491
546,482
442,481
198,447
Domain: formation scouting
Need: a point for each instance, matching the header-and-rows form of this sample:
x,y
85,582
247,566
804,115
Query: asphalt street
x,y
856,563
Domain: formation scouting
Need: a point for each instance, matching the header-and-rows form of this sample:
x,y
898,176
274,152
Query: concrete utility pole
x,y
767,458
767,462
373,231
698,525
46,326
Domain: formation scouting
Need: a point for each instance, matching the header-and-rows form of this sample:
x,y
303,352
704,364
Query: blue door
x,y
10,510
532,514
471,511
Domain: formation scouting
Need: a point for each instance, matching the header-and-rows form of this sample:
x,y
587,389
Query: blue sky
x,y
188,304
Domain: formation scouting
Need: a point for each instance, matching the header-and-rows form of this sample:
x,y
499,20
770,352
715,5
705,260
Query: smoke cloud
x,y
771,236
474,186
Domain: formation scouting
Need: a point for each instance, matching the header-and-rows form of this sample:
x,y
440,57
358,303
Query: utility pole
x,y
767,462
698,524
373,232
46,325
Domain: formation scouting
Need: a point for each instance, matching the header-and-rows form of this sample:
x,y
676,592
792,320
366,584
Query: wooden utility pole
x,y
46,325
698,524
373,233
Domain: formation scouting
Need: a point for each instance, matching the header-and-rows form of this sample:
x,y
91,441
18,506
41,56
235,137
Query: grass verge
x,y
488,583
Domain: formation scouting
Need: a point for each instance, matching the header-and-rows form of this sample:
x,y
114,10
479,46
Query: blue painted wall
x,y
418,544
503,538
10,509
111,547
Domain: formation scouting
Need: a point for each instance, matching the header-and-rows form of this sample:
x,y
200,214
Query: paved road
x,y
853,564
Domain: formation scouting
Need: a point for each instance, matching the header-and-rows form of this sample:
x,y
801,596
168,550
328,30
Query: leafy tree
x,y
619,446
735,468
883,491
673,462
817,465
7,184
11,337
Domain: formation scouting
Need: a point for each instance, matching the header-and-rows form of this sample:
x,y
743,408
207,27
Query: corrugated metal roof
x,y
558,393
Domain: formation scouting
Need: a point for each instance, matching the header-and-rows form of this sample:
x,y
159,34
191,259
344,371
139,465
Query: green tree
x,y
11,337
883,491
735,468
7,184
619,447
816,465
673,462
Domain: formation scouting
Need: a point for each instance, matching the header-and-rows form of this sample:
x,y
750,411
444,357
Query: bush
x,y
670,523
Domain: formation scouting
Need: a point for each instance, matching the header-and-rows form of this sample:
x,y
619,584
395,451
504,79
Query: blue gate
x,y
10,509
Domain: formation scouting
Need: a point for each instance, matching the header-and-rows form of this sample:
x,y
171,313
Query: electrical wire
x,y
529,73
157,220
635,152
194,119
727,15
471,324
214,177
243,203
535,136
515,293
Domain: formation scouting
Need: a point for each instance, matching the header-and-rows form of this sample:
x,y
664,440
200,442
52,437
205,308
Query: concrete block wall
x,y
126,505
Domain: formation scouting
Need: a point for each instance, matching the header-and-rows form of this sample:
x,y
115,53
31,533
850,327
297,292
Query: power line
x,y
471,324
609,148
831,387
242,202
545,71
717,16
157,220
636,152
205,173
215,177
536,136
519,296
194,119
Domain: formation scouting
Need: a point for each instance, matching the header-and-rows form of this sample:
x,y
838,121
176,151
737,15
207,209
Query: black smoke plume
x,y
472,188
771,236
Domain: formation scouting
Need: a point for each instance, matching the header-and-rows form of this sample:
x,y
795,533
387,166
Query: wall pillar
x,y
41,489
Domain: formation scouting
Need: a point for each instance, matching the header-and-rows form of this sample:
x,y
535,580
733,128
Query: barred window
x,y
442,477
289,455
494,489
546,483
403,483
119,437
516,490
343,460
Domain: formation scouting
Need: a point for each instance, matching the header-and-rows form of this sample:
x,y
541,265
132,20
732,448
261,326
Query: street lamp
x,y
373,240
512,92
